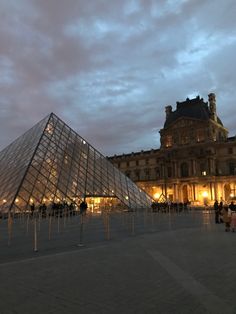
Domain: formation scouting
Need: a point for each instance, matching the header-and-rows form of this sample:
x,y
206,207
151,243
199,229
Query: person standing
x,y
217,212
227,218
233,221
221,212
83,207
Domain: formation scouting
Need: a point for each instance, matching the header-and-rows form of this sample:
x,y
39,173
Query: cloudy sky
x,y
109,67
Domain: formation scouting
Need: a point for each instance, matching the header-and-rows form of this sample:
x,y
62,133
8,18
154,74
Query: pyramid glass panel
x,y
52,163
14,162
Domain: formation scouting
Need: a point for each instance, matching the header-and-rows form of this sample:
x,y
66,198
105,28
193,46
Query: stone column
x,y
194,192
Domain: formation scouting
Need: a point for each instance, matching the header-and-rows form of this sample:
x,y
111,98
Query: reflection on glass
x,y
51,163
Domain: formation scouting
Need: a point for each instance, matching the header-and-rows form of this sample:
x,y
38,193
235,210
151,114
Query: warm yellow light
x,y
17,200
58,199
4,201
127,197
205,194
54,173
31,200
97,200
156,195
49,129
231,194
44,199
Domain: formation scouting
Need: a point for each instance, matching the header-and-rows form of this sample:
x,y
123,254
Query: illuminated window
x,y
169,141
214,135
203,169
200,136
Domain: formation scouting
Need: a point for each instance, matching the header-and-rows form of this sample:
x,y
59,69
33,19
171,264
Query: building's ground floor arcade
x,y
195,190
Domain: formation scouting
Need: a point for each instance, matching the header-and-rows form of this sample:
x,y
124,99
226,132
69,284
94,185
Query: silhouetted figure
x,y
217,212
221,212
232,206
32,208
227,218
44,210
83,207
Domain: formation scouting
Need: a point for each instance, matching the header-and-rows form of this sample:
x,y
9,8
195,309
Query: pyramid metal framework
x,y
52,163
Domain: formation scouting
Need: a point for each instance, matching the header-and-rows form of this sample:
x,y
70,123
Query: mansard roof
x,y
194,108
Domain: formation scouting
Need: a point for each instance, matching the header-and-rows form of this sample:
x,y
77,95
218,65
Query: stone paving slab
x,y
176,270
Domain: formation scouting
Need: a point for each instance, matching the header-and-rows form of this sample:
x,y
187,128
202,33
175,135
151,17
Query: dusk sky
x,y
108,68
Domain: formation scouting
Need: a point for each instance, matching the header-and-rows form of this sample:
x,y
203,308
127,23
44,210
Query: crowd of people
x,y
225,214
165,207
58,209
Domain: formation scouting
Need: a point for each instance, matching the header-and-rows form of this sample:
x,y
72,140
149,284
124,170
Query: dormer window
x,y
185,138
169,141
200,136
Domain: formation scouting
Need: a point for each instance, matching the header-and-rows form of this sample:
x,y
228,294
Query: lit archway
x,y
227,192
185,193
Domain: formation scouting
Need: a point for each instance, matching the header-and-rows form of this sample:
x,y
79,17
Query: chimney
x,y
212,106
168,111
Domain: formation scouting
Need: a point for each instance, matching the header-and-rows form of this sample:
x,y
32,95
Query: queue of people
x,y
57,209
226,214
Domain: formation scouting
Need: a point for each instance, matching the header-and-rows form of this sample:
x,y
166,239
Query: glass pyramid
x,y
52,163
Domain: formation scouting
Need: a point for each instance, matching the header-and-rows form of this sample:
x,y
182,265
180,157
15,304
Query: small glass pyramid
x,y
52,163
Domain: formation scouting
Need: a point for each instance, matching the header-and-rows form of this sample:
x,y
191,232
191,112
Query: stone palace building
x,y
196,161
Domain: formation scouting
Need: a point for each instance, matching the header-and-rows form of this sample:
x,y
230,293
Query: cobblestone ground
x,y
161,263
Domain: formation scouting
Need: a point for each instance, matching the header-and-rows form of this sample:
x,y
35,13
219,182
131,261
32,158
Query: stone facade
x,y
196,161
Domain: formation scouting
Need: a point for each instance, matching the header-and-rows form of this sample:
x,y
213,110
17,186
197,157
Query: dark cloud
x,y
108,68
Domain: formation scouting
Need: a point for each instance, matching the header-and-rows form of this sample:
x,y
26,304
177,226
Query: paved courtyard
x,y
153,263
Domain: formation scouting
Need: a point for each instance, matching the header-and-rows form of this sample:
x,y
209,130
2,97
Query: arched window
x,y
137,174
158,172
184,169
169,172
232,168
127,173
147,173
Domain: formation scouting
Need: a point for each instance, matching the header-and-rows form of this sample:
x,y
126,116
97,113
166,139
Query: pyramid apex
x,y
41,165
